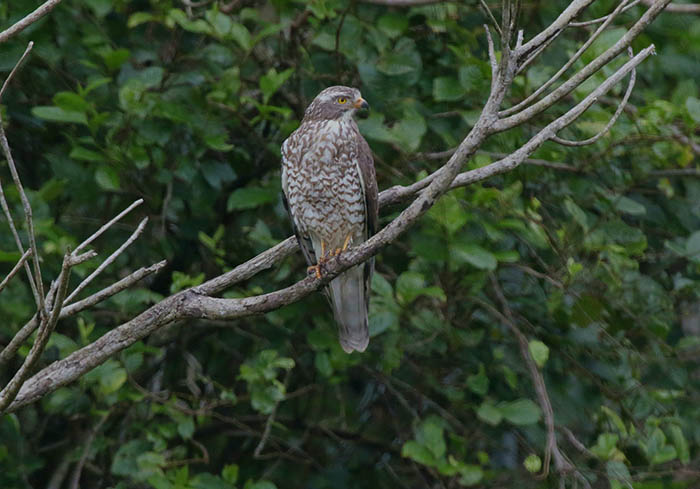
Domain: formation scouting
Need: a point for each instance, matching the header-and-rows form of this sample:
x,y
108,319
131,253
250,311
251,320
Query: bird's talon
x,y
315,269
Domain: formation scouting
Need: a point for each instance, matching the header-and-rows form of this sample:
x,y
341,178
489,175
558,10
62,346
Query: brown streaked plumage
x,y
330,191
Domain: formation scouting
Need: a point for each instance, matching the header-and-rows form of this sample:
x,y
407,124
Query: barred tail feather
x,y
347,292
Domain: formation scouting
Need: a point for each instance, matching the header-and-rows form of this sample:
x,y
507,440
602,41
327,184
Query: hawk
x,y
330,191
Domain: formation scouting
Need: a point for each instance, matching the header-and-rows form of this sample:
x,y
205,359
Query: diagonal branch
x,y
567,65
110,259
15,269
8,394
11,349
610,123
591,68
22,24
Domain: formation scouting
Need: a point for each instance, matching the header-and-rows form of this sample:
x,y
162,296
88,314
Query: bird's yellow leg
x,y
338,251
316,269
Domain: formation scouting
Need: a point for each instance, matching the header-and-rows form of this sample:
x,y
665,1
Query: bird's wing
x,y
304,241
369,187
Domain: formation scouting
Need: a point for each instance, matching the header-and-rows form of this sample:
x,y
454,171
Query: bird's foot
x,y
315,269
338,251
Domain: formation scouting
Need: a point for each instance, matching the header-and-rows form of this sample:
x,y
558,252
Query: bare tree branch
x,y
7,81
610,123
601,19
108,225
22,24
8,394
15,269
678,8
110,259
567,65
595,65
11,349
35,280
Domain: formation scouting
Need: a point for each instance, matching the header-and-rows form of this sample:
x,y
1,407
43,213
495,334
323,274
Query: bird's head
x,y
334,103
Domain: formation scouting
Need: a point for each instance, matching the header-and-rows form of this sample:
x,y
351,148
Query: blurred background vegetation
x,y
185,104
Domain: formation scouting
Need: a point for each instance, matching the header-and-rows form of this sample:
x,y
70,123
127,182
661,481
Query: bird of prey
x,y
330,191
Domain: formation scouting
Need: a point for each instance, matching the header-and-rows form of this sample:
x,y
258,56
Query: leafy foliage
x,y
187,108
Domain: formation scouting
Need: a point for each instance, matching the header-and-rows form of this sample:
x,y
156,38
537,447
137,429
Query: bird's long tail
x,y
347,292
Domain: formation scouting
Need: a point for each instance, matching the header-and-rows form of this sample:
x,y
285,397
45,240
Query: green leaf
x,y
186,427
392,24
539,352
415,451
680,443
57,114
479,383
139,18
617,470
470,474
489,413
474,255
241,35
606,446
107,178
430,434
692,247
692,105
521,412
251,197
629,206
84,154
532,463
272,81
230,473
71,102
447,89
409,285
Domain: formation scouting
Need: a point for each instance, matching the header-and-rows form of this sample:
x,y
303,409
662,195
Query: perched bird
x,y
330,191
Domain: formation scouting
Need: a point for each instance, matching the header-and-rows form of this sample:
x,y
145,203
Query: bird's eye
x,y
342,100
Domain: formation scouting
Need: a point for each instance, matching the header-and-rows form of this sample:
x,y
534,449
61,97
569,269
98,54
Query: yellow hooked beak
x,y
361,103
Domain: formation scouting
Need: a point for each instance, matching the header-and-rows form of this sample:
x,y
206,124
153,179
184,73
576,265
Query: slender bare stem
x,y
601,19
108,225
610,123
567,65
22,24
576,80
8,394
15,269
110,259
11,349
14,70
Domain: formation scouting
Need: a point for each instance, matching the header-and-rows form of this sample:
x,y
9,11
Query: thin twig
x,y
8,394
35,279
583,74
611,122
567,65
11,349
492,53
677,8
14,70
110,259
22,24
87,444
491,17
106,226
601,19
15,269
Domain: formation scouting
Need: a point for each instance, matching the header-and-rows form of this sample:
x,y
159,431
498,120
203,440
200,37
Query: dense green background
x,y
601,266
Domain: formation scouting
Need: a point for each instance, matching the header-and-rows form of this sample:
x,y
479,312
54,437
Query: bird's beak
x,y
361,103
